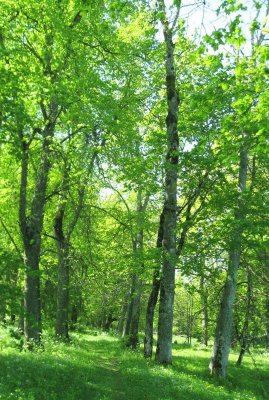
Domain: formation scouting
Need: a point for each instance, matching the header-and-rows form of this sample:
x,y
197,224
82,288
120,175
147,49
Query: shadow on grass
x,y
48,379
246,377
92,369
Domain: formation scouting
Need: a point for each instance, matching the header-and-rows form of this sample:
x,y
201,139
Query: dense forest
x,y
134,176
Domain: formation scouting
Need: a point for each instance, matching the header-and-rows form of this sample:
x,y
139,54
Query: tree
x,y
165,322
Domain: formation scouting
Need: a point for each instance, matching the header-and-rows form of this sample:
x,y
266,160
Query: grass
x,y
99,368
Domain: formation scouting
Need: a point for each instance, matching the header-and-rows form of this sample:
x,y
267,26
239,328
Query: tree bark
x,y
124,309
219,360
267,314
265,260
244,336
133,338
137,285
74,317
31,228
189,318
204,302
153,297
61,330
165,322
130,306
63,236
109,319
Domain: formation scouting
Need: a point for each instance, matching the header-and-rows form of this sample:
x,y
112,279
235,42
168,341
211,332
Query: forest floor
x,y
98,367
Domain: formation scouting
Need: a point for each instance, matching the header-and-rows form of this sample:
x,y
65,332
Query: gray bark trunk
x,y
130,306
189,318
31,228
63,236
219,360
74,317
152,301
21,317
244,336
153,297
204,302
165,322
122,318
267,315
133,339
61,330
265,259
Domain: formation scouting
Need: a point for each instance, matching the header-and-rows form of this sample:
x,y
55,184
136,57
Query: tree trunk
x,y
152,301
32,301
204,302
244,340
219,360
31,229
122,318
63,276
74,317
240,357
137,285
133,338
130,306
165,322
189,318
153,297
3,314
63,236
265,260
21,317
108,322
267,314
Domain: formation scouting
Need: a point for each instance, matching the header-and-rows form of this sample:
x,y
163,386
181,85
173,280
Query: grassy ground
x,y
99,368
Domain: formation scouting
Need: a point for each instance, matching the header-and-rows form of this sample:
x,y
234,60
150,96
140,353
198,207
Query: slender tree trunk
x,y
32,301
167,285
108,322
3,313
74,317
244,340
267,315
130,306
189,318
133,338
31,228
153,297
219,360
152,301
137,285
21,317
63,236
204,302
122,318
265,259
63,276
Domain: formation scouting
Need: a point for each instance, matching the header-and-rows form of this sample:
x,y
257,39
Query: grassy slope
x,y
97,367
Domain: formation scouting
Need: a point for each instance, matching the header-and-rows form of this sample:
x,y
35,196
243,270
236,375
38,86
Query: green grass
x,y
98,367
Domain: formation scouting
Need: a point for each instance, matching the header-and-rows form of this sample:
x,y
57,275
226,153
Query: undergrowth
x,y
95,366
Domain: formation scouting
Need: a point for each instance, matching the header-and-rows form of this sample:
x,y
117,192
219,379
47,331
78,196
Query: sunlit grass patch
x,y
98,367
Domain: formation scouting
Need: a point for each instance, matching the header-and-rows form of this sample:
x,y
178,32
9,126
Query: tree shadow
x,y
244,378
91,369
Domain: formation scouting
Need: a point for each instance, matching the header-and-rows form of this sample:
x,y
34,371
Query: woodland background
x,y
123,131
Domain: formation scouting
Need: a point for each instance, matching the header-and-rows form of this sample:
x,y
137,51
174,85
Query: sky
x,y
201,18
